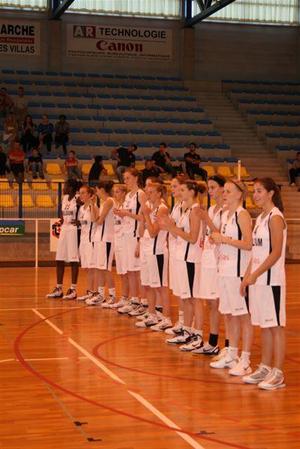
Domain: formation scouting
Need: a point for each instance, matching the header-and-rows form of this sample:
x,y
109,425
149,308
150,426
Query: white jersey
x,y
133,205
232,261
118,222
86,224
186,251
69,210
210,250
175,215
155,245
104,232
262,247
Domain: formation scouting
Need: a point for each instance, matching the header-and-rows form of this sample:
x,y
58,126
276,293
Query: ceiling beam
x,y
207,9
59,7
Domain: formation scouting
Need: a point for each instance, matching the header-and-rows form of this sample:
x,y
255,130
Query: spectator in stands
x,y
3,162
16,157
150,171
162,160
21,106
45,130
6,104
72,166
295,170
10,128
192,163
125,158
29,138
35,164
62,131
97,169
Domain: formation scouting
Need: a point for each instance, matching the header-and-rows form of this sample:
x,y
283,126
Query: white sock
x,y
181,316
112,292
59,286
245,356
144,301
232,352
197,332
101,291
135,299
73,286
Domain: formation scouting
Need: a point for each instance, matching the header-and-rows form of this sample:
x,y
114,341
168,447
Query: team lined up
x,y
199,255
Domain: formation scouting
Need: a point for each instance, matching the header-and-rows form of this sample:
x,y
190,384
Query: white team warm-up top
x,y
158,244
68,210
262,247
131,204
210,250
232,261
86,224
186,251
104,232
172,240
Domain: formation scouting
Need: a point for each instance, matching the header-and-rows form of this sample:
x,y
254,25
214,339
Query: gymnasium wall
x,y
210,51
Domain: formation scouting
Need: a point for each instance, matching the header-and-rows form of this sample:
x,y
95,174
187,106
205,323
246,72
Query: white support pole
x,y
36,243
239,170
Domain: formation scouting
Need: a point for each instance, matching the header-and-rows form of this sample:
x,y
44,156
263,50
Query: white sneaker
x,y
109,302
71,294
162,325
195,343
259,375
121,303
224,362
151,321
273,381
221,354
88,295
56,293
207,349
130,306
143,317
241,368
95,300
175,329
138,311
182,338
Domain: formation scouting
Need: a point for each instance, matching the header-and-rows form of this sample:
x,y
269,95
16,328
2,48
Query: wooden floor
x,y
87,378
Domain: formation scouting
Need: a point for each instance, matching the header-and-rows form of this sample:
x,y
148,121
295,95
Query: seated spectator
x,y
35,164
295,170
162,160
16,157
62,131
6,104
45,130
192,163
150,171
29,138
97,169
125,158
72,166
21,106
3,162
10,128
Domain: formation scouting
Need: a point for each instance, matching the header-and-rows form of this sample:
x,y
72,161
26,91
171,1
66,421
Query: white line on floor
x,y
43,359
113,376
40,308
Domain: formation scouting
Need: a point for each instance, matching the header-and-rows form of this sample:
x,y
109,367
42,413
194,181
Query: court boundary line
x,y
76,395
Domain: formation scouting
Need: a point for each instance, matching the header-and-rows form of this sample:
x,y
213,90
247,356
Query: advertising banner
x,y
20,38
98,41
12,227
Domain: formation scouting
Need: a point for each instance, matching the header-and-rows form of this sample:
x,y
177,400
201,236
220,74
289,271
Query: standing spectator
x,y
125,158
97,169
21,106
10,128
72,166
62,130
45,130
16,157
29,138
150,171
295,170
35,164
192,163
3,162
162,160
6,104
